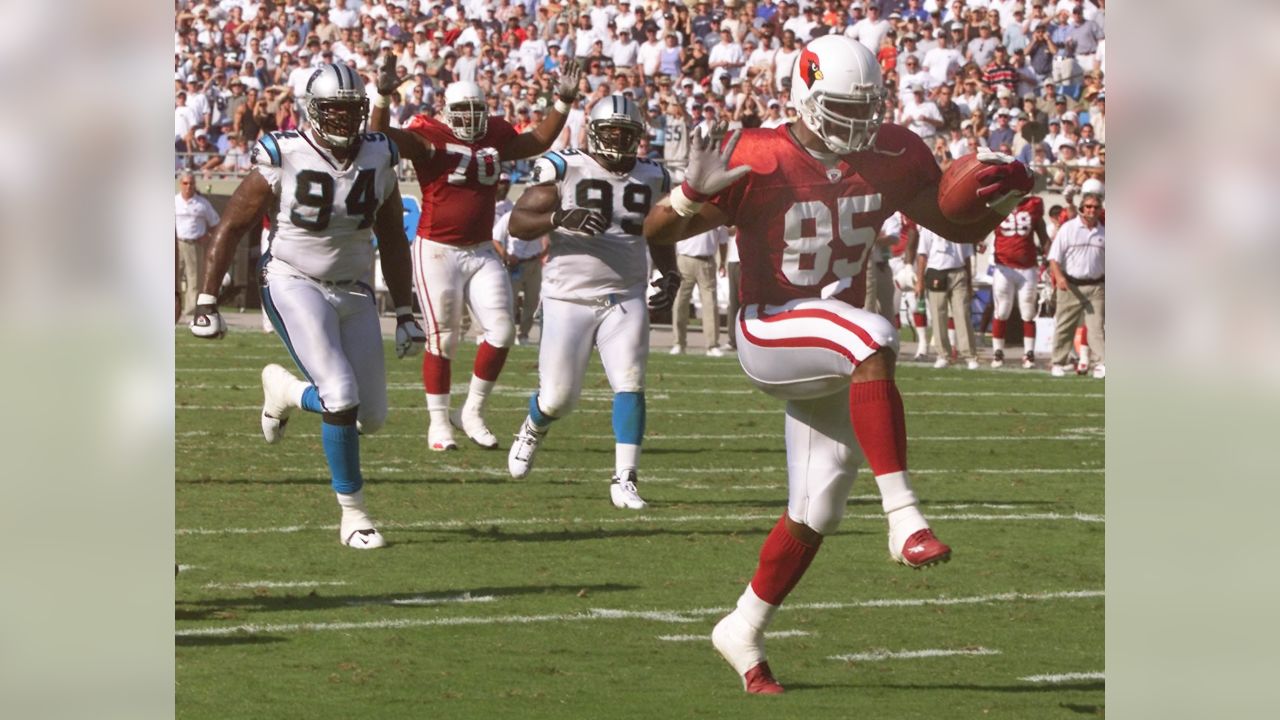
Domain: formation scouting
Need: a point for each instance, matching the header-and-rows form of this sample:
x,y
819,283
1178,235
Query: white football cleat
x,y
997,359
677,349
1028,361
367,538
624,493
470,422
715,352
742,646
525,446
940,363
1058,371
971,364
1099,371
279,388
440,437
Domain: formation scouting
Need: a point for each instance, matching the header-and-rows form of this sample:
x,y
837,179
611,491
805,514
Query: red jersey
x,y
804,231
1016,234
459,182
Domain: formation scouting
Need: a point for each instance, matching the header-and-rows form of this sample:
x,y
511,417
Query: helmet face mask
x,y
336,105
846,123
465,111
614,131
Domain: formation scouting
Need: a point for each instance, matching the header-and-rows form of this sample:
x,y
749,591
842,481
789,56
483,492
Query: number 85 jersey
x,y
616,262
805,229
322,216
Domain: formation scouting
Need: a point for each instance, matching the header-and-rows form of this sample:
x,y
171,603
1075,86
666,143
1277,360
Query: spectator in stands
x,y
1041,51
205,156
1002,134
922,116
1085,36
982,49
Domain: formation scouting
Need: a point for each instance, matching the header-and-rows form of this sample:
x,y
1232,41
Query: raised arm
x,y
412,147
539,139
686,212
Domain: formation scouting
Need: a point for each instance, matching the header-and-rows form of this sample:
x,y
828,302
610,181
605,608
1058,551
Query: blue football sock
x,y
538,417
311,400
628,418
342,450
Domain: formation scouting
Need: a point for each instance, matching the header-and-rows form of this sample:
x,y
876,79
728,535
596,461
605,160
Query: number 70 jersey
x,y
321,222
805,230
616,262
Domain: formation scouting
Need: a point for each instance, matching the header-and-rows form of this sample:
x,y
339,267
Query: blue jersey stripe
x,y
272,147
558,162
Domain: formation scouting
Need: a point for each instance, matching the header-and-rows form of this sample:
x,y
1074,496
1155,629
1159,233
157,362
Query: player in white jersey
x,y
326,189
593,205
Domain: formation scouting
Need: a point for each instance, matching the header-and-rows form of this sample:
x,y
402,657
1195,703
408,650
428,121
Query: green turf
x,y
542,561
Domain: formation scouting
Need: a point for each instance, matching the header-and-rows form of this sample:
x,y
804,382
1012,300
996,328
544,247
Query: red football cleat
x,y
923,548
759,680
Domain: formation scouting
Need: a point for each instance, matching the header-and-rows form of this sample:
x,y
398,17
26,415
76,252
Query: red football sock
x,y
435,374
783,561
489,361
1028,328
951,323
875,408
997,328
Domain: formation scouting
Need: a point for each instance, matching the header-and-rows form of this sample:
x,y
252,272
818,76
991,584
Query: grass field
x,y
537,599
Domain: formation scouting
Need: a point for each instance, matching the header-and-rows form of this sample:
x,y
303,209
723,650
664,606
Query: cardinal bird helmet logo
x,y
809,70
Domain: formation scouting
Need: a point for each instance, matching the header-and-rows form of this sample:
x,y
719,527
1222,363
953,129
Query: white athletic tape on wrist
x,y
206,299
561,107
404,310
382,101
683,206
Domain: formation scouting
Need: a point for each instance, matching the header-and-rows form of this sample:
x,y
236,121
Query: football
x,y
958,191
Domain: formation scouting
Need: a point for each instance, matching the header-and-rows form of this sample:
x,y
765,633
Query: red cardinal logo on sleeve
x,y
809,70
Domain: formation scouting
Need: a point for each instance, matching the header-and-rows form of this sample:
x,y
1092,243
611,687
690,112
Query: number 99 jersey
x,y
615,262
322,217
805,230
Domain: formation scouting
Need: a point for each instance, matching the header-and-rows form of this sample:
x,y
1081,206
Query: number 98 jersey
x,y
322,215
805,230
615,262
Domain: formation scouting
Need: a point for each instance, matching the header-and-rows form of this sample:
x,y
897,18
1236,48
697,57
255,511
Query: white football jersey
x,y
322,215
617,261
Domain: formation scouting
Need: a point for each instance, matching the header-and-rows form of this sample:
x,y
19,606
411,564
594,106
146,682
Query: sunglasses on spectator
x,y
1090,206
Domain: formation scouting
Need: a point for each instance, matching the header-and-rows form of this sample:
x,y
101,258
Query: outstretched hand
x,y
387,82
708,171
567,87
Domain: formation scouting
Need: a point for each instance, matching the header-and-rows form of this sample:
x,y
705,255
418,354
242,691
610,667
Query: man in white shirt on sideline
x,y
942,268
696,261
195,216
1077,260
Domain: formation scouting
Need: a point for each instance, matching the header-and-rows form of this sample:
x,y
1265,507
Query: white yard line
x,y
779,635
273,584
637,519
1095,435
608,395
671,616
1064,677
778,411
464,598
879,655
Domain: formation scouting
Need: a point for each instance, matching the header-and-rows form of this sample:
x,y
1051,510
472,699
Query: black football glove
x,y
579,221
387,82
667,286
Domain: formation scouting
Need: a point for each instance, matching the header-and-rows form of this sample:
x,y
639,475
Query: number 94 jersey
x,y
615,262
805,230
322,216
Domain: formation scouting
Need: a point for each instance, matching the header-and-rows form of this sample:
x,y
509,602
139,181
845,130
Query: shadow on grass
x,y
495,534
223,640
218,608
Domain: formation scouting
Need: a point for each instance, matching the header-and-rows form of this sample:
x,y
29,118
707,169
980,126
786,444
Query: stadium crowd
x,y
1021,77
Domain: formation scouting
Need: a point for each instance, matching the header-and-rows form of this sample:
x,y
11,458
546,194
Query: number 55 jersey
x,y
322,216
616,262
805,229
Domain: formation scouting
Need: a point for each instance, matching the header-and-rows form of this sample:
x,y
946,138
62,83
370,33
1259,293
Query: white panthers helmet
x,y
838,92
614,130
465,110
336,104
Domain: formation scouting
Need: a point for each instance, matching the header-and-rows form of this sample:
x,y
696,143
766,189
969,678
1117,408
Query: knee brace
x,y
341,417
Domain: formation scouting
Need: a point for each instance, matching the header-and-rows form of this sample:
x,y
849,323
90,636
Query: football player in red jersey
x,y
1016,275
807,199
454,261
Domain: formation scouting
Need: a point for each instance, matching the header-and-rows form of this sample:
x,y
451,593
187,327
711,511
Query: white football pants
x,y
1010,282
446,276
332,332
805,352
620,330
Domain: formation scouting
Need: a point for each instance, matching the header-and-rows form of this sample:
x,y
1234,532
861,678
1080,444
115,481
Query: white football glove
x,y
708,172
409,336
579,221
206,322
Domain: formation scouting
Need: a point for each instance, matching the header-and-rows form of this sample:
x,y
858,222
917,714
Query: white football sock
x,y
438,408
755,611
626,459
477,394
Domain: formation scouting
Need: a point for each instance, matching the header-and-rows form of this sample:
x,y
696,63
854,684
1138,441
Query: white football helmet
x,y
336,104
614,130
838,92
465,111
1092,186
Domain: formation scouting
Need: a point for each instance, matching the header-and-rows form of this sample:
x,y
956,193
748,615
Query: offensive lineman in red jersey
x,y
454,261
807,199
1016,274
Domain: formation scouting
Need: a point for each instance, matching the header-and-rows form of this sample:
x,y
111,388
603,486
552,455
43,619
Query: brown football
x,y
958,191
